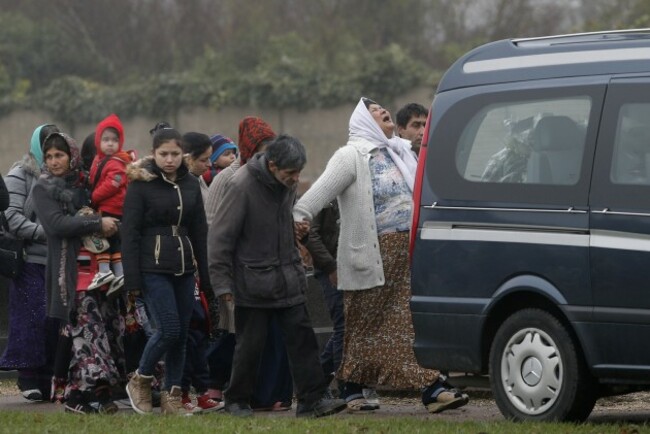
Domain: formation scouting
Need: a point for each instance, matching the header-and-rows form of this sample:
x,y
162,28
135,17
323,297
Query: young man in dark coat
x,y
252,252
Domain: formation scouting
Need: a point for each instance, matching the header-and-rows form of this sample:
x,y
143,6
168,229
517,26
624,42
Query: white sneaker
x,y
100,280
371,395
116,284
32,395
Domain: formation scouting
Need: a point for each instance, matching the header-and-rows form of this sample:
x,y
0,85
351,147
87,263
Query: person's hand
x,y
300,229
225,297
109,226
334,280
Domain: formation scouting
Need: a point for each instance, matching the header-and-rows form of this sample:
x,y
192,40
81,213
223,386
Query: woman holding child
x,y
58,195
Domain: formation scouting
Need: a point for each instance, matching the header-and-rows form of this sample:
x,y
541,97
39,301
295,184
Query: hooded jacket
x,y
163,227
110,189
252,244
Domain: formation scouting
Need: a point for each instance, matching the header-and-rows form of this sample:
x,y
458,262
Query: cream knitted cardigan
x,y
347,178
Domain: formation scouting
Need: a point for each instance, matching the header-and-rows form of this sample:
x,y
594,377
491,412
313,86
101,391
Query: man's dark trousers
x,y
251,326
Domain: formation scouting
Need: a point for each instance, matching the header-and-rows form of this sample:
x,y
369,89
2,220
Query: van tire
x,y
537,373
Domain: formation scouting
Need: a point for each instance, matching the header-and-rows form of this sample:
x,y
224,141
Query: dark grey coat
x,y
251,245
56,201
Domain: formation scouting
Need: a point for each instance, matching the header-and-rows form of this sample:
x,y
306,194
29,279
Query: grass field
x,y
128,422
13,422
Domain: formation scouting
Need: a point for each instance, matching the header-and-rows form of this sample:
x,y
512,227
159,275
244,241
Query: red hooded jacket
x,y
110,189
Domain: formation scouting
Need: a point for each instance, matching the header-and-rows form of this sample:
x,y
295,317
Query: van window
x,y
631,157
525,142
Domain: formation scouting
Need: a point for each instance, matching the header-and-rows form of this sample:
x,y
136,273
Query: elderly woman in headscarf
x,y
372,177
58,195
30,344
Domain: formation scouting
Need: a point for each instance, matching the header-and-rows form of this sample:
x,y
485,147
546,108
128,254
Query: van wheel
x,y
536,372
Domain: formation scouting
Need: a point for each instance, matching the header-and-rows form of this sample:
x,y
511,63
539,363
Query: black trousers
x,y
251,325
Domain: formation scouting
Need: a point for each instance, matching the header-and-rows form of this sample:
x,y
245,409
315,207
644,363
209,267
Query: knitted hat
x,y
220,144
252,132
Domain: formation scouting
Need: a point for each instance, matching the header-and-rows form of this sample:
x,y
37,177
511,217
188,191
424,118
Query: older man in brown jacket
x,y
252,252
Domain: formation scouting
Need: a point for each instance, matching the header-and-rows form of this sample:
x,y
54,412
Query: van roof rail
x,y
582,37
571,55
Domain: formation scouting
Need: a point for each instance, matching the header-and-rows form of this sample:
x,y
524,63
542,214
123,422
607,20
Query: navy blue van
x,y
531,227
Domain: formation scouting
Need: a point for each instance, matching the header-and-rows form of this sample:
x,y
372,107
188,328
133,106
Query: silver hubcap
x,y
531,369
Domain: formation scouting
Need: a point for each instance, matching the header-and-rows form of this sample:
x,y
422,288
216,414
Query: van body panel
x,y
620,225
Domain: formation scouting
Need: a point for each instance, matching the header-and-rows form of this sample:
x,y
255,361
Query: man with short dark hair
x,y
252,252
411,120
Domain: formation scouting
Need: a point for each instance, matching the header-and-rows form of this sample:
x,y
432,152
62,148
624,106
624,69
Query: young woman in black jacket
x,y
163,242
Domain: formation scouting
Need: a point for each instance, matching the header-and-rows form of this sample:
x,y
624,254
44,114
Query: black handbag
x,y
12,252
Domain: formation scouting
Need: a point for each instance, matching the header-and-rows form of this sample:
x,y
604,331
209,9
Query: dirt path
x,y
632,408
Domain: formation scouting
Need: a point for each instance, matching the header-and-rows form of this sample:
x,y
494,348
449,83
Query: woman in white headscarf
x,y
372,178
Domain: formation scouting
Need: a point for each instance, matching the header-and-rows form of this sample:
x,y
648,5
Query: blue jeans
x,y
169,300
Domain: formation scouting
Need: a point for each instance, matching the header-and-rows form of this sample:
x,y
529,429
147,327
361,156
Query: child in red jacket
x,y
108,181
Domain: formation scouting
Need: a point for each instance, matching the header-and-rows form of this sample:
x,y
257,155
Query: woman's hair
x,y
165,135
159,126
286,152
46,131
196,144
368,101
57,142
88,151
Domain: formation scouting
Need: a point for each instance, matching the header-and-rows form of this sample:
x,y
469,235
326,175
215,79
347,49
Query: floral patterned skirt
x,y
92,362
378,346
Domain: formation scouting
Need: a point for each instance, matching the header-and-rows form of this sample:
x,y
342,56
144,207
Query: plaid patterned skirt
x,y
378,346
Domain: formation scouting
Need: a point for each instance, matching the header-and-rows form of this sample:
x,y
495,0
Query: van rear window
x,y
525,142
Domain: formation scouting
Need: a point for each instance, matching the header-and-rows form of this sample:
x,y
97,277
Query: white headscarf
x,y
362,124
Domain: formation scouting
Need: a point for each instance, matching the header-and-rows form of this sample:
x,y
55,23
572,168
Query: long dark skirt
x,y
378,342
27,320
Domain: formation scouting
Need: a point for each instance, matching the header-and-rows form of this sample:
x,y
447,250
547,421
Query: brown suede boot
x,y
139,390
171,402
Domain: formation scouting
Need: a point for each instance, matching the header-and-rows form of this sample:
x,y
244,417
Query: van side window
x,y
631,157
525,142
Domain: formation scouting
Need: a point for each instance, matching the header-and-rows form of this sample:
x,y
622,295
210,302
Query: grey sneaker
x,y
322,407
139,390
238,409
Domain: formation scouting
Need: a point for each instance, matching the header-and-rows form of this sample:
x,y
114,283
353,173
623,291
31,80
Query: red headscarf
x,y
252,132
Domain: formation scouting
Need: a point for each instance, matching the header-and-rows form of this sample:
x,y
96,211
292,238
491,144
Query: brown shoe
x,y
171,402
139,390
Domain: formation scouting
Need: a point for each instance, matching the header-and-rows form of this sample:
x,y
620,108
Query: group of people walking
x,y
181,271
